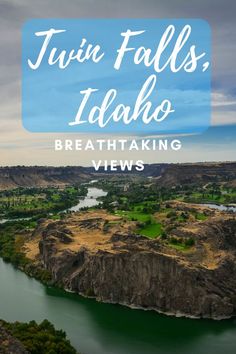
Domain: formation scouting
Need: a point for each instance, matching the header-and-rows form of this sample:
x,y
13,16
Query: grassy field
x,y
179,247
133,215
223,198
151,228
145,214
27,202
152,231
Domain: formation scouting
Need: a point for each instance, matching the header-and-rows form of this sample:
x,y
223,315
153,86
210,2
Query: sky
x,y
19,147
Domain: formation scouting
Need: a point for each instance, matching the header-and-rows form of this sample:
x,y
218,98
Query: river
x,y
221,207
90,200
96,328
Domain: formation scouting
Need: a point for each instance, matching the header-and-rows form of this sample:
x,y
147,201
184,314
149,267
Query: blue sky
x,y
18,146
51,96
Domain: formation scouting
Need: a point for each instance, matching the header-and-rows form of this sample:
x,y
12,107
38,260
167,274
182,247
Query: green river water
x,y
96,328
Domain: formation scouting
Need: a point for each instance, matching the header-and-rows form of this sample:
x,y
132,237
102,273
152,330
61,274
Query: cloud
x,y
220,15
223,109
221,100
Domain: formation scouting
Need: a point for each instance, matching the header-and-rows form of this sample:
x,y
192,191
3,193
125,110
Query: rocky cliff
x,y
167,174
198,173
119,267
36,176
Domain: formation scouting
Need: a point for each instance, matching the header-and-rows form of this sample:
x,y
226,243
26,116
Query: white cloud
x,y
220,99
19,146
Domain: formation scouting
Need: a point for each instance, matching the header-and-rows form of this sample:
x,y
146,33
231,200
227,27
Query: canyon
x,y
167,174
98,255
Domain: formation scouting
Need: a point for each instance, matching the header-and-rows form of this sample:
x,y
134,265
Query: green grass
x,y
55,197
200,216
179,247
152,231
55,217
133,215
197,197
140,206
27,202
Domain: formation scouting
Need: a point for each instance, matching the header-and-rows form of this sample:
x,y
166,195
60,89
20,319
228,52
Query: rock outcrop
x,y
124,268
198,173
36,176
167,174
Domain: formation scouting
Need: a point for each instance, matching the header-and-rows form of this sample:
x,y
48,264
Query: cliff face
x,y
148,280
135,271
34,176
168,174
202,173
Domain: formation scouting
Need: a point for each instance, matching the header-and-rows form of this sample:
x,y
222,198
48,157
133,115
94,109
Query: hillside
x,y
166,174
36,176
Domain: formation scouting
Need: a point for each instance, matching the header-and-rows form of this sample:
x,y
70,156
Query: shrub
x,y
189,242
40,338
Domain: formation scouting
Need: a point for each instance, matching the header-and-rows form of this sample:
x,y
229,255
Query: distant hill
x,y
201,173
166,174
37,176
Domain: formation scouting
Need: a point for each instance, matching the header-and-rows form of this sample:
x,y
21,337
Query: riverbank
x,y
70,251
94,327
221,207
98,254
84,319
11,246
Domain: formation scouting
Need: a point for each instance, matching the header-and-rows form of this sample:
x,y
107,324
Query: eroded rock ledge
x,y
115,265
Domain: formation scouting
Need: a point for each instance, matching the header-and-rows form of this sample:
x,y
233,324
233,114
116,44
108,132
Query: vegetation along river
x,y
96,328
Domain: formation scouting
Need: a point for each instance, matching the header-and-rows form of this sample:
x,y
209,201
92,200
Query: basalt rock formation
x,y
198,173
37,176
166,174
114,265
